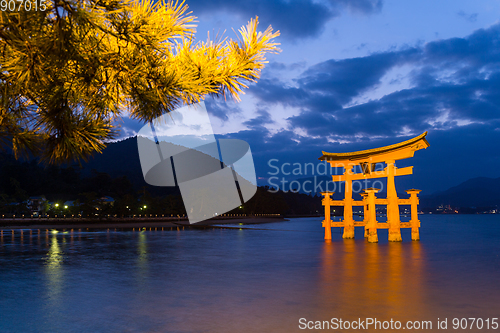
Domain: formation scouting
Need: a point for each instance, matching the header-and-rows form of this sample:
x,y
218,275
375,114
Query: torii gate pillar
x,y
364,195
327,223
415,223
392,205
372,216
348,220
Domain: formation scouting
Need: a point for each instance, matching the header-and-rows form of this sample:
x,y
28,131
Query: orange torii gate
x,y
367,159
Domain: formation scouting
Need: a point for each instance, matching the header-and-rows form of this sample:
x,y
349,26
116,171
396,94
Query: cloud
x,y
279,66
275,91
469,17
264,118
437,168
482,48
329,85
127,127
361,6
220,108
453,94
346,78
454,82
295,19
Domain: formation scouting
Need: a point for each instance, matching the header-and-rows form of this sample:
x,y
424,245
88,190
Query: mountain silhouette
x,y
475,192
122,159
118,159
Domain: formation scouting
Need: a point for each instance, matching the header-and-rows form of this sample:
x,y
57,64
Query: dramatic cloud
x,y
448,87
455,82
452,93
345,79
295,19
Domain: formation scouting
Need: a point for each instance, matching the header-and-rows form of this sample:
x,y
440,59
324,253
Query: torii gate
x,y
367,159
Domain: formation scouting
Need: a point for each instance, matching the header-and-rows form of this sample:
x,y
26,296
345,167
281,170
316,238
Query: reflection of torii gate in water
x,y
367,159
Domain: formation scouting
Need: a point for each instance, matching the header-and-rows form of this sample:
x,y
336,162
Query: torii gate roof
x,y
396,151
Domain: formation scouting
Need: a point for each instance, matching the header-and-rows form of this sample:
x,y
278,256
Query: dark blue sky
x,y
359,74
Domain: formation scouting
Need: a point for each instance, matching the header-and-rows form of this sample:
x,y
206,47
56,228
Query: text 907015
x,y
22,5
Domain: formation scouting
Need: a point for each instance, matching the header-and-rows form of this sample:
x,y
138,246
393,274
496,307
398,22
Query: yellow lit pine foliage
x,y
69,71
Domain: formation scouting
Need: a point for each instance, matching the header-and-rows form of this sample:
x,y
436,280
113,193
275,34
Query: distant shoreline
x,y
125,223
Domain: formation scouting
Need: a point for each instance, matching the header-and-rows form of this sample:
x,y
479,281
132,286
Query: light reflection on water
x,y
374,280
54,271
142,260
241,280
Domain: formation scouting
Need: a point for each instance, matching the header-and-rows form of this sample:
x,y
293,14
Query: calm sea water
x,y
250,280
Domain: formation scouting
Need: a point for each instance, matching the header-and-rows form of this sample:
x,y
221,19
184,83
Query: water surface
x,y
262,279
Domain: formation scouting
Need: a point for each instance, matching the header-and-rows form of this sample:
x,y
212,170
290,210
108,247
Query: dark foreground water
x,y
230,280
